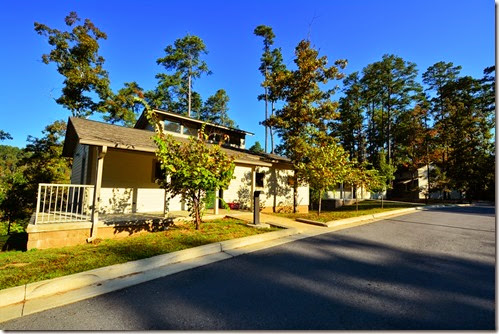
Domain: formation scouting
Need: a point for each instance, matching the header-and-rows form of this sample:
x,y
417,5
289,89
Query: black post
x,y
256,207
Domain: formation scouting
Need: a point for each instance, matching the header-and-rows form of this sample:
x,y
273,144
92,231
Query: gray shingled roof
x,y
88,132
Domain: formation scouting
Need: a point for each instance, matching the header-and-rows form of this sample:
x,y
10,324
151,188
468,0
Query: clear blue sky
x,y
360,31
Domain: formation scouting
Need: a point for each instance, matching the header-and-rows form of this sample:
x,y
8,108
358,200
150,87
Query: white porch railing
x,y
60,203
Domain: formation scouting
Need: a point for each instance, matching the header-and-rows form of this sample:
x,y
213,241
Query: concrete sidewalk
x,y
39,296
274,220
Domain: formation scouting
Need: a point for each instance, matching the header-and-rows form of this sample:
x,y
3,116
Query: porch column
x,y
215,205
101,152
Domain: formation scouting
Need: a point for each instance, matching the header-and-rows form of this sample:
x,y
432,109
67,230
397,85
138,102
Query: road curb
x,y
34,297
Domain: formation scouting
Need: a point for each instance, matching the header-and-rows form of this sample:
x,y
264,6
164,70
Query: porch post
x,y
215,204
101,152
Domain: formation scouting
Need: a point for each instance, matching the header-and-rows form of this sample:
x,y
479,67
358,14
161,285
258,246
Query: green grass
x,y
348,211
17,268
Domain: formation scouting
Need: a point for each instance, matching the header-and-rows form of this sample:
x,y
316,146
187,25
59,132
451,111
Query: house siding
x,y
276,193
128,184
239,190
80,162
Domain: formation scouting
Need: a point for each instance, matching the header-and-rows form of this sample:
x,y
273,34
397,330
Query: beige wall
x,y
239,190
276,193
128,185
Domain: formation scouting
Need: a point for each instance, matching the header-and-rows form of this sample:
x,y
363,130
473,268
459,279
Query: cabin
x,y
114,172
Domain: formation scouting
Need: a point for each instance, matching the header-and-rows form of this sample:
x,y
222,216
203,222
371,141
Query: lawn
x,y
17,268
365,208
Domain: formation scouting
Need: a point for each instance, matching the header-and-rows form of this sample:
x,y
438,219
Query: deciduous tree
x,y
122,108
76,55
191,169
325,166
307,109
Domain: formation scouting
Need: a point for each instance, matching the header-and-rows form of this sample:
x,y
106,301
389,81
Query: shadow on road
x,y
349,280
488,211
340,282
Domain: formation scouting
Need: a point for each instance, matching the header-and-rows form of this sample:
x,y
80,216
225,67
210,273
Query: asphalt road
x,y
427,270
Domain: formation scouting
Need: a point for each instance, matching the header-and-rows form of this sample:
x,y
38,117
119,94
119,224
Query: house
x,y
118,167
412,185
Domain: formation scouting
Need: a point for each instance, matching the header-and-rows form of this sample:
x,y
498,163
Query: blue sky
x,y
360,31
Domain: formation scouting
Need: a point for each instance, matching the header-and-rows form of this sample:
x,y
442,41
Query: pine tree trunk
x,y
189,99
266,116
271,130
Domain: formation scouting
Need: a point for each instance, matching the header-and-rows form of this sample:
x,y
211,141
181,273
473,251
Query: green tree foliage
x,y
326,165
463,117
191,169
39,162
385,109
390,88
4,135
11,179
75,52
215,109
183,58
375,107
10,157
256,148
436,78
359,175
350,127
470,136
44,163
122,107
271,64
307,110
15,199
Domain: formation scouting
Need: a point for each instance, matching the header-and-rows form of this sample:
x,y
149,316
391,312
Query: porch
x,y
65,216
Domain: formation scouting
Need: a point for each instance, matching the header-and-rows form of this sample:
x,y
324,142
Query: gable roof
x,y
142,121
88,132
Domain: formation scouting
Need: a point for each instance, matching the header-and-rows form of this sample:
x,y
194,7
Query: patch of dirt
x,y
13,265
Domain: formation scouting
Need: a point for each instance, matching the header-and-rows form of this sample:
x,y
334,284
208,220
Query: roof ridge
x,y
108,124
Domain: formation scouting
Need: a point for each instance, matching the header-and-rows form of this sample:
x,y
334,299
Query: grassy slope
x,y
348,211
17,268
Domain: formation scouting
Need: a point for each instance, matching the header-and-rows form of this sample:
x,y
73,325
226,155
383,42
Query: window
x,y
235,141
259,179
171,126
158,173
190,131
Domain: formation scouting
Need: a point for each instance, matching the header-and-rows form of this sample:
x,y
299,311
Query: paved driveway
x,y
427,270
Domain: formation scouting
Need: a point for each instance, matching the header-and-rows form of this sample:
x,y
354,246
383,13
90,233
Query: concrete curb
x,y
39,296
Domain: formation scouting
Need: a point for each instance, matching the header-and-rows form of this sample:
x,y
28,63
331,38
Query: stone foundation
x,y
44,236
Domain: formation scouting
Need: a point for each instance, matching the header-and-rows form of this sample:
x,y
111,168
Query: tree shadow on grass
x,y
142,225
15,242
